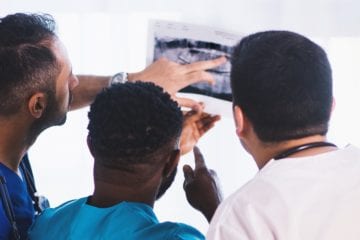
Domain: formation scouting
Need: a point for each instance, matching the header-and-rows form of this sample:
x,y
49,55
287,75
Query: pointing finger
x,y
199,159
199,76
204,65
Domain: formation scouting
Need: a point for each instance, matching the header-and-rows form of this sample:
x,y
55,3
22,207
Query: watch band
x,y
121,77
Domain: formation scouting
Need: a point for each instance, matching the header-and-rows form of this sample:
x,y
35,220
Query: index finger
x,y
204,65
187,102
199,159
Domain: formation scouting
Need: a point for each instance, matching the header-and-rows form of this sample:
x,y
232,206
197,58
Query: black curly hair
x,y
283,83
27,63
133,123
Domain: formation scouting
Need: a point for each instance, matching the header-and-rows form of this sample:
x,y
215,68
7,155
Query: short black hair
x,y
283,83
133,123
27,64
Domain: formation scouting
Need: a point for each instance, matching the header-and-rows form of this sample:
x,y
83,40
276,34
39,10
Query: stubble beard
x,y
53,116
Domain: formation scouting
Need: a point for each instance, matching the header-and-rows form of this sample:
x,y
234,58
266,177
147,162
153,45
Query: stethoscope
x,y
9,211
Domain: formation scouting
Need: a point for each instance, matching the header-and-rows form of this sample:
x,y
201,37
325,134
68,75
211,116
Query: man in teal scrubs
x,y
134,136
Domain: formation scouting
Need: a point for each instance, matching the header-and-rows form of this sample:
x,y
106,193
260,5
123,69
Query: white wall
x,y
104,37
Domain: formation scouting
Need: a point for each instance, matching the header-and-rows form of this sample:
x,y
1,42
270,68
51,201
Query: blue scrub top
x,y
21,203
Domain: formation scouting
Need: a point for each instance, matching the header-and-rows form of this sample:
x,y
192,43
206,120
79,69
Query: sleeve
x,y
240,220
39,228
185,232
35,230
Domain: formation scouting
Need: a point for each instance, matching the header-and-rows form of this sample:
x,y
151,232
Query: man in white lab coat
x,y
306,187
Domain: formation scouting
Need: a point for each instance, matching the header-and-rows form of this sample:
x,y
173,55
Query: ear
x,y
37,104
333,104
172,163
239,119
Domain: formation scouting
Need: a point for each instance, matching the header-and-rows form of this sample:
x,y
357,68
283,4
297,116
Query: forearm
x,y
167,74
89,86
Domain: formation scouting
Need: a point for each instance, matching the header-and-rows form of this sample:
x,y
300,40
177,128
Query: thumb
x,y
188,175
188,172
189,103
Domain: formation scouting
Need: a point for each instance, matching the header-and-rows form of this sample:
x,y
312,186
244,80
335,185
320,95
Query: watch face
x,y
120,77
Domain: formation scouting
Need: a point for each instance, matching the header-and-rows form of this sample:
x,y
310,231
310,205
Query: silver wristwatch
x,y
121,77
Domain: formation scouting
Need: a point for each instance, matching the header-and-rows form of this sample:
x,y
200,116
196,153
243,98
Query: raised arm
x,y
167,74
89,86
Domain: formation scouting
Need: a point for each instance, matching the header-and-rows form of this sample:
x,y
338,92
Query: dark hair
x,y
283,83
133,123
27,64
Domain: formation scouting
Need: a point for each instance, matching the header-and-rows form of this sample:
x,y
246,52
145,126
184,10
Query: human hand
x,y
196,124
173,76
201,186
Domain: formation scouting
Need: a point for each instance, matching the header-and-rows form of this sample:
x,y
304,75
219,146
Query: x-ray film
x,y
187,43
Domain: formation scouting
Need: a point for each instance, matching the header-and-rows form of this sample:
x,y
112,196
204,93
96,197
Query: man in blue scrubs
x,y
38,87
134,134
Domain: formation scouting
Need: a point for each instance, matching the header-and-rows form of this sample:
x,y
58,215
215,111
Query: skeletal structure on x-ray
x,y
185,51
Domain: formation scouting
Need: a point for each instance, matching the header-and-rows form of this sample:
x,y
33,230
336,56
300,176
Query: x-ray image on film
x,y
186,43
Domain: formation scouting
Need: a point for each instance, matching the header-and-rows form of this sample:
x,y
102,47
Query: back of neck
x,y
267,151
109,194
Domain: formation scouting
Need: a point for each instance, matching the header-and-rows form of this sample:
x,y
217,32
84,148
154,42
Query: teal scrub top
x,y
126,220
